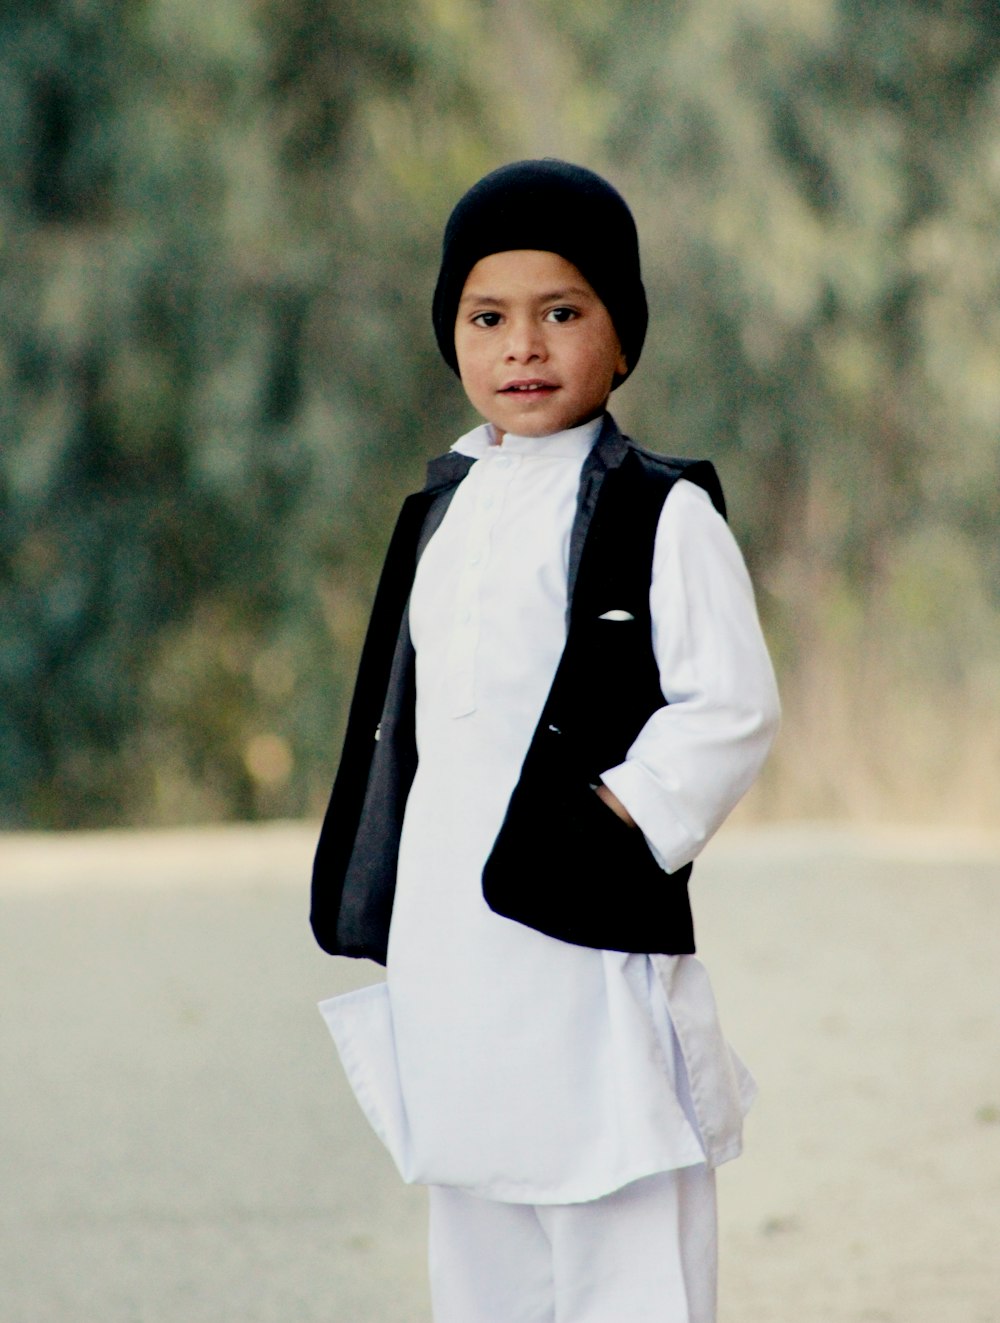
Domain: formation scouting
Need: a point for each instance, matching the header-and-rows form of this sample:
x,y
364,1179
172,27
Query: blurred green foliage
x,y
218,237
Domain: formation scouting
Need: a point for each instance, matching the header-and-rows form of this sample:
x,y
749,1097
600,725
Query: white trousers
x,y
645,1254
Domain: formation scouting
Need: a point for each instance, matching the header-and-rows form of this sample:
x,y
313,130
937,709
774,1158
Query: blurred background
x,y
219,226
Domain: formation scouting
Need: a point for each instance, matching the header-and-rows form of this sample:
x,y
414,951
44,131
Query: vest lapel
x,y
607,453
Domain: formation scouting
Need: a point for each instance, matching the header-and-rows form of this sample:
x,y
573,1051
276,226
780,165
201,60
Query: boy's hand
x,y
614,804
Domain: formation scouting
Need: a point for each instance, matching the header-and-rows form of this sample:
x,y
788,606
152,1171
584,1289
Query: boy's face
x,y
537,350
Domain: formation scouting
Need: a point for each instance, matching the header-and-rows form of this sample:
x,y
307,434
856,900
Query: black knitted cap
x,y
553,207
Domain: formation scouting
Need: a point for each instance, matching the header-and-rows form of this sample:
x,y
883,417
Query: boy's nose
x,y
525,342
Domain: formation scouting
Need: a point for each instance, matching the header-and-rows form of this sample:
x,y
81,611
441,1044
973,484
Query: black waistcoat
x,y
563,862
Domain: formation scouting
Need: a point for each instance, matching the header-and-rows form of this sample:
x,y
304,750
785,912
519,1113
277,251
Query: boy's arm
x,y
615,805
696,757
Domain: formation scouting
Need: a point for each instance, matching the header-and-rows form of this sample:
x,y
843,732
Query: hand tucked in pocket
x,y
614,804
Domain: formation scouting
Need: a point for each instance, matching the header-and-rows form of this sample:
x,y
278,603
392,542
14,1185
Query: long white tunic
x,y
495,1058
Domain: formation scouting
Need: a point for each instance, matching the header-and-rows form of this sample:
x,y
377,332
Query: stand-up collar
x,y
601,443
571,443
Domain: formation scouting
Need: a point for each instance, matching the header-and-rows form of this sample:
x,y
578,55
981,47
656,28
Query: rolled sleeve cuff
x,y
671,842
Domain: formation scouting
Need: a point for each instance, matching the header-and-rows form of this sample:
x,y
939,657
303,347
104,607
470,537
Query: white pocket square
x,y
617,615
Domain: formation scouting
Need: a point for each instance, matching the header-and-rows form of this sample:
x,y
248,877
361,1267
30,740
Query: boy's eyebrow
x,y
479,298
554,296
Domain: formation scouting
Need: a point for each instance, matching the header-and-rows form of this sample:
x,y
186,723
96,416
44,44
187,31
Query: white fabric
x,y
494,1058
645,1254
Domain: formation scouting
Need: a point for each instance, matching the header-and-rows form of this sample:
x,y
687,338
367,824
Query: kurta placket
x,y
495,1058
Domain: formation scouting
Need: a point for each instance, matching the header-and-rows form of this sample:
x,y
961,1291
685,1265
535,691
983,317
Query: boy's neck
x,y
497,434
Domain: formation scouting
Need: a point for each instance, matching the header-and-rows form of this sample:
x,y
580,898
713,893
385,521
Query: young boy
x,y
563,692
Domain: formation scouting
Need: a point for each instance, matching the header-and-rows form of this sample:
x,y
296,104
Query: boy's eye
x,y
561,314
486,319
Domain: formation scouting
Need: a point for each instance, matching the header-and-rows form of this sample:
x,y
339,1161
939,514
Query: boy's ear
x,y
621,368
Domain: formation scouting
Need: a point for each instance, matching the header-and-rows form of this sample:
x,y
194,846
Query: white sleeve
x,y
696,757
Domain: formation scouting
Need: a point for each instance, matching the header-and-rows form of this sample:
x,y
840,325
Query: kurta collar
x,y
606,452
571,443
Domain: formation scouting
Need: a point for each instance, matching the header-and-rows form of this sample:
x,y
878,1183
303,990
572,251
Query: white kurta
x,y
495,1058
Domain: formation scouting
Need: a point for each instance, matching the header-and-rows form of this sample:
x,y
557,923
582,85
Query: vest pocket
x,y
567,865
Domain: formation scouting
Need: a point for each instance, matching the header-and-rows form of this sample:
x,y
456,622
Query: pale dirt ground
x,y
178,1144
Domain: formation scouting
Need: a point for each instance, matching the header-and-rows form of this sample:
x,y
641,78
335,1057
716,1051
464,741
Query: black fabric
x,y
354,872
566,864
555,207
563,862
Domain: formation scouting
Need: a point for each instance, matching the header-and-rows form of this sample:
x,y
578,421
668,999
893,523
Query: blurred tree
x,y
797,165
218,237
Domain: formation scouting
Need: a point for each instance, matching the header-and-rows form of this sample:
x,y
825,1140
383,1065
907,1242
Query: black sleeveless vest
x,y
563,862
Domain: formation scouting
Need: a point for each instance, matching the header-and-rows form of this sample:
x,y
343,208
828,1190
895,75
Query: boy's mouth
x,y
534,387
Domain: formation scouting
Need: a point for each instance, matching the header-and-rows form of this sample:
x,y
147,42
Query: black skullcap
x,y
553,207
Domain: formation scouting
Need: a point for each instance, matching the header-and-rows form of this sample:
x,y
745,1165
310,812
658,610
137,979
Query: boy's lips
x,y
531,386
